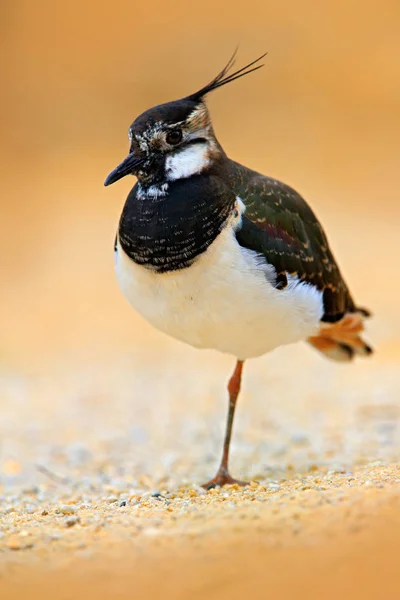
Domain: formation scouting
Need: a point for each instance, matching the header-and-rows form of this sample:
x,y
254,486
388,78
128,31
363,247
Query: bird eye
x,y
174,136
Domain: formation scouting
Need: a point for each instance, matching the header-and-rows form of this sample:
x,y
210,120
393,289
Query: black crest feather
x,y
222,78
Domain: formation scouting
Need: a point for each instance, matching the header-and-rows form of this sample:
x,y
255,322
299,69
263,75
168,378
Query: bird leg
x,y
223,477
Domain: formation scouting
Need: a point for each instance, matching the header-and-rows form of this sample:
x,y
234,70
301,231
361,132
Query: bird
x,y
219,256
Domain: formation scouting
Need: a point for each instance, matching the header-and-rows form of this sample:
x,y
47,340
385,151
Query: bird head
x,y
176,140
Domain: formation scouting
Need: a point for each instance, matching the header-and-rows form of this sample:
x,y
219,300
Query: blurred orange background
x,y
323,115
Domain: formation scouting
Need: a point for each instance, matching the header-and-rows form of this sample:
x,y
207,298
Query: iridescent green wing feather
x,y
279,224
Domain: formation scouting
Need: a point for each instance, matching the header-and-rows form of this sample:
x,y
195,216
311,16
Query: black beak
x,y
127,167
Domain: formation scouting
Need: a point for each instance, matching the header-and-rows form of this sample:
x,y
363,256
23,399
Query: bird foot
x,y
223,478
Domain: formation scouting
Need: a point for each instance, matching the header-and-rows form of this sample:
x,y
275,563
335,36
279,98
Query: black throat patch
x,y
167,227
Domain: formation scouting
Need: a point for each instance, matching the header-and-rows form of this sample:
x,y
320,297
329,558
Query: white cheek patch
x,y
187,162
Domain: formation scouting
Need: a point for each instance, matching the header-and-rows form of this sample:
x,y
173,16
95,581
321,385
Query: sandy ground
x,y
101,497
317,536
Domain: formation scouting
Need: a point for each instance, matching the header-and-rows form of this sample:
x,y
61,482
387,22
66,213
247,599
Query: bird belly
x,y
225,300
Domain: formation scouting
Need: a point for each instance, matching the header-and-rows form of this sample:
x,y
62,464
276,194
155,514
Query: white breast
x,y
224,300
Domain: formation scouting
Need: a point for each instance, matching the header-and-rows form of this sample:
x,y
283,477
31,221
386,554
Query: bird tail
x,y
341,341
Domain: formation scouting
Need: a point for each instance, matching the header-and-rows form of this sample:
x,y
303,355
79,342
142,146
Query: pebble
x,y
16,543
34,490
336,470
274,487
66,509
71,521
112,499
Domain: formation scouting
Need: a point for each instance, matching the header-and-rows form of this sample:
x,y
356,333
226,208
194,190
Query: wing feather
x,y
279,224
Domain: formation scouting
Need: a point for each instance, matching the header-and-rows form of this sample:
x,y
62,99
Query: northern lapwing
x,y
219,256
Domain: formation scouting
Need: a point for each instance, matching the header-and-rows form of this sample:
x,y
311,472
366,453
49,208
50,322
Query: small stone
x,y
44,513
123,503
71,521
274,487
157,495
15,543
112,499
34,490
66,509
336,470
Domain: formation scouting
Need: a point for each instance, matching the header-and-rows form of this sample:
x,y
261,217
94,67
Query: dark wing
x,y
279,224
